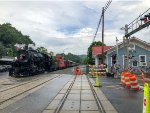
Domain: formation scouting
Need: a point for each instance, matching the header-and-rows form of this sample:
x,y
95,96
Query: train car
x,y
61,61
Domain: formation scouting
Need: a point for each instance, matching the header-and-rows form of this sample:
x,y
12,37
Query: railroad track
x,y
16,91
99,104
10,82
63,100
60,105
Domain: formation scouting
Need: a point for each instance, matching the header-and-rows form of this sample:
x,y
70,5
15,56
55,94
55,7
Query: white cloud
x,y
69,26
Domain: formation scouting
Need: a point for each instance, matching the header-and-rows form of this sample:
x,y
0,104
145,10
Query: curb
x,y
108,107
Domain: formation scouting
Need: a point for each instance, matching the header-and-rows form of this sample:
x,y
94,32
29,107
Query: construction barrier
x,y
130,81
134,83
92,70
127,80
100,69
146,101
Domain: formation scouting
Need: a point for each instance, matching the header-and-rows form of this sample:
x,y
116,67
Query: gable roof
x,y
97,50
136,41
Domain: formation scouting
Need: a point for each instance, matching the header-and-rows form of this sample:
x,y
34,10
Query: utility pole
x,y
102,19
126,59
117,50
117,55
102,35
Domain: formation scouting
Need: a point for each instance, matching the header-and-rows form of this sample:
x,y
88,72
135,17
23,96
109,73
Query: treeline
x,y
9,36
72,57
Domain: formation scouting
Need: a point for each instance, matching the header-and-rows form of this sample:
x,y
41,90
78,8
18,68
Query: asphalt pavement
x,y
123,99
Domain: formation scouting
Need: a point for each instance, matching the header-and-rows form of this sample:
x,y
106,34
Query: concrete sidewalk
x,y
80,98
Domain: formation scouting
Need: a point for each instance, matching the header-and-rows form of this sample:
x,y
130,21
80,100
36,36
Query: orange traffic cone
x,y
77,71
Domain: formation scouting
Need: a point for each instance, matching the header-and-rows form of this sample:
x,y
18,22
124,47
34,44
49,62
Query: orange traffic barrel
x,y
127,80
122,78
77,71
134,83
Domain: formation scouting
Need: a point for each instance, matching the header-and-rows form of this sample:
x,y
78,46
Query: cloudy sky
x,y
69,26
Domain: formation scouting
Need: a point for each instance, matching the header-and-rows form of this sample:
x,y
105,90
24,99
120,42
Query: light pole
x,y
117,55
126,44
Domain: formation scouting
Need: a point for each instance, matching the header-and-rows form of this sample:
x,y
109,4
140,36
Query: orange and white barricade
x,y
127,80
101,69
122,78
134,82
91,69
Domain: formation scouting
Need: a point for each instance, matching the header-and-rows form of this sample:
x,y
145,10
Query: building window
x,y
135,63
142,60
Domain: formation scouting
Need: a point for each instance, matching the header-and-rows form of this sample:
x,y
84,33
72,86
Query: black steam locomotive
x,y
30,62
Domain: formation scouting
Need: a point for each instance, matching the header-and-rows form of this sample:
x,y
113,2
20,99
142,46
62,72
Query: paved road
x,y
124,100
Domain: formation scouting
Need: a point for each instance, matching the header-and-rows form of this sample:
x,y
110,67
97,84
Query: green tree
x,y
85,60
10,52
71,57
42,50
51,53
2,50
89,52
9,36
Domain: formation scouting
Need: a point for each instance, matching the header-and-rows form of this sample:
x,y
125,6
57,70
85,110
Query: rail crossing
x,y
52,93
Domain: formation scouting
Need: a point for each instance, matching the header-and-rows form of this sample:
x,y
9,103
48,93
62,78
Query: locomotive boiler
x,y
30,62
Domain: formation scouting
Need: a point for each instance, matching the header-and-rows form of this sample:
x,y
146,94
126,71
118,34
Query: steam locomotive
x,y
30,62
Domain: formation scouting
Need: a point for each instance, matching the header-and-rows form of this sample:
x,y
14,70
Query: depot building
x,y
139,55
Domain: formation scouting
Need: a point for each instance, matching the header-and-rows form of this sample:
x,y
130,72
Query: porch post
x,y
96,60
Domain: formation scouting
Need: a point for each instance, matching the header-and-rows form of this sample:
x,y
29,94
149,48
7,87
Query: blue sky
x,y
69,26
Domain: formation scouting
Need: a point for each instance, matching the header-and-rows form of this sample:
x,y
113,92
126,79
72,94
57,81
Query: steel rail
x,y
60,105
99,104
17,85
29,89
